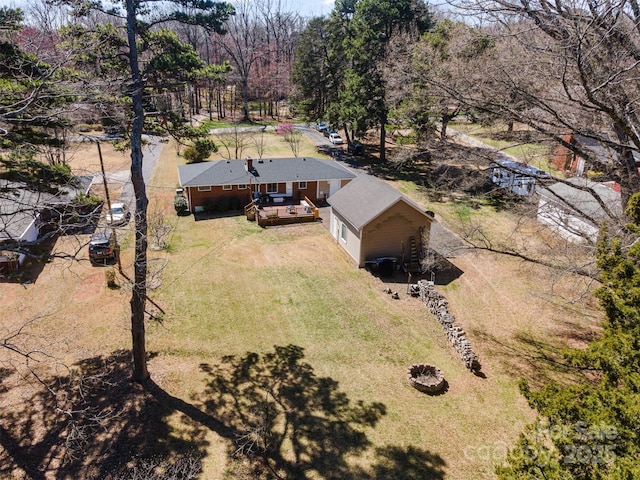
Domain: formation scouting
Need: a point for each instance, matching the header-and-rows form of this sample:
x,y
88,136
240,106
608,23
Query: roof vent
x,y
260,160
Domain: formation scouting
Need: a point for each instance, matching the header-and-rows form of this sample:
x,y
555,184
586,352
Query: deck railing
x,y
306,211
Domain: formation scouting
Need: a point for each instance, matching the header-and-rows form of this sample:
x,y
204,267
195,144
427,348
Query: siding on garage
x,y
351,244
387,234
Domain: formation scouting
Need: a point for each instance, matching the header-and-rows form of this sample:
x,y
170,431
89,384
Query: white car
x,y
335,139
118,214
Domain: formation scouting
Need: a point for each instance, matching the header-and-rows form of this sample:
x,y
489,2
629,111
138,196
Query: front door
x,y
289,191
334,186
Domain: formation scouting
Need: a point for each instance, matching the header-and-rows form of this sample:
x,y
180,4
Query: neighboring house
x,y
574,212
275,179
569,161
370,219
22,211
566,160
517,177
19,219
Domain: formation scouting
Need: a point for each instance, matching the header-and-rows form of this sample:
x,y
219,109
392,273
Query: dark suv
x,y
102,247
355,148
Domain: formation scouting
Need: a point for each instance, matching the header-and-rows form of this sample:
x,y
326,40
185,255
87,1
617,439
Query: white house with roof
x,y
370,219
575,208
21,211
519,178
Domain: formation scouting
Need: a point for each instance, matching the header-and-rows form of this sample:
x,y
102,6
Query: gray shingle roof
x,y
366,198
20,206
273,170
582,201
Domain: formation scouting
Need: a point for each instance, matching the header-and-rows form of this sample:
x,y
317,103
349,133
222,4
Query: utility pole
x,y
106,189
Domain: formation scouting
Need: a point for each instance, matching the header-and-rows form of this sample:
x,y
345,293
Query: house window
x,y
227,187
302,185
343,233
205,188
242,186
272,188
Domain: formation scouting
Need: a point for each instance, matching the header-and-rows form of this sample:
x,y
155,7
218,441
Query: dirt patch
x,y
90,287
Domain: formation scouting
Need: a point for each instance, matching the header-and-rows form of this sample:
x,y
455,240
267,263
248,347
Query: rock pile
x,y
439,307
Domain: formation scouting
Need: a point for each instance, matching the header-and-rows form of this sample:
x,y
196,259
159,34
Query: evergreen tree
x,y
590,430
142,21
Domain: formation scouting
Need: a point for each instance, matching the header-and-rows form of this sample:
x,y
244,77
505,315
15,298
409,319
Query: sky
x,y
307,8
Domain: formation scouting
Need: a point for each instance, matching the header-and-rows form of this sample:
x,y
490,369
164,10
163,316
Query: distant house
x,y
519,178
571,162
276,180
574,212
23,210
370,219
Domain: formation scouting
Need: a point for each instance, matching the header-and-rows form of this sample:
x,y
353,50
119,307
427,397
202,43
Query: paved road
x,y
151,153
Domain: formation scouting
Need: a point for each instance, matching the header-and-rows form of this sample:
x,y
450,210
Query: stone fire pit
x,y
425,377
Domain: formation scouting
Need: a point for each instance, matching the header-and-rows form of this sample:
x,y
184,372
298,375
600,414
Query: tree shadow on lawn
x,y
533,359
94,423
279,419
289,423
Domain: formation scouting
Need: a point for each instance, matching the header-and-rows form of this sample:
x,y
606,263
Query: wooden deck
x,y
282,214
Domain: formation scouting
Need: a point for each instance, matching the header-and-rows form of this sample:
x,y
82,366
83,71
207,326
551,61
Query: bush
x,y
200,151
191,155
83,199
205,147
222,205
209,206
180,204
110,277
235,203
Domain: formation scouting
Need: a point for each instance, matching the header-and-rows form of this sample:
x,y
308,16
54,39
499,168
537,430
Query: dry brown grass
x,y
230,287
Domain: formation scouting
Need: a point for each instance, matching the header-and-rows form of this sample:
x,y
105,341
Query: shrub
x,y
222,205
284,128
200,151
205,147
110,276
235,203
180,204
190,154
83,199
209,205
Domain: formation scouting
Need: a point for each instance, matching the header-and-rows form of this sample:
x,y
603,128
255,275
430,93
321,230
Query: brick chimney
x,y
249,164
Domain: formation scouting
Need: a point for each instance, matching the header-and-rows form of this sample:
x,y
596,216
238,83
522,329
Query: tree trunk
x,y
445,124
629,178
244,94
383,136
139,288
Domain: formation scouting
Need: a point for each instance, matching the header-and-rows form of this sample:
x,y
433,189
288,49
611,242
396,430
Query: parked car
x,y
335,138
118,214
355,148
102,247
328,131
321,127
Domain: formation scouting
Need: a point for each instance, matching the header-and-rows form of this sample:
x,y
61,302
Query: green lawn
x,y
534,154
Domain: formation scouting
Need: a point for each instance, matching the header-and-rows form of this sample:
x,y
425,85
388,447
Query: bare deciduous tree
x,y
572,68
234,141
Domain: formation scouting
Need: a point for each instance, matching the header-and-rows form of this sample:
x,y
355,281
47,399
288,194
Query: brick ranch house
x,y
275,179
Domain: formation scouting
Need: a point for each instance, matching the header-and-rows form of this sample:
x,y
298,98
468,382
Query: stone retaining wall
x,y
439,306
